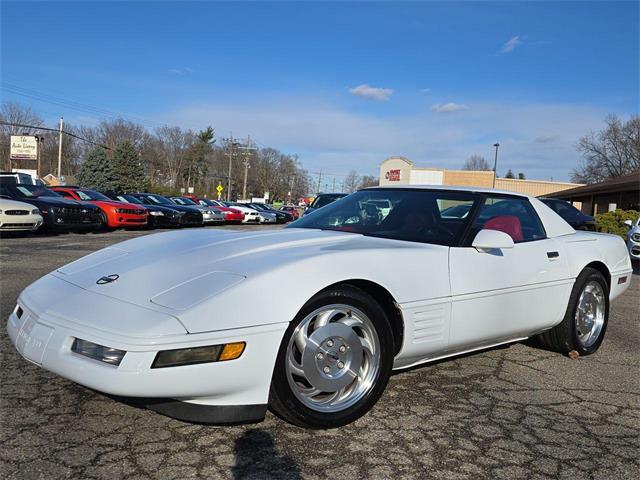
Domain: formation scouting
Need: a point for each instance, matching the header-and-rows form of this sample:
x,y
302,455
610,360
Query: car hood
x,y
116,204
58,202
149,268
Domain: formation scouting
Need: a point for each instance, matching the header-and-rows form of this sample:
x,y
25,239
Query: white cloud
x,y
372,93
180,71
448,107
425,90
511,44
331,138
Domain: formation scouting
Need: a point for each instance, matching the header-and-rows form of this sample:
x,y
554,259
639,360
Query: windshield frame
x,y
456,241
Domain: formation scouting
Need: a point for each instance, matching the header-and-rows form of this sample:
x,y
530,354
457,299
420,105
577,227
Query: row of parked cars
x,y
27,207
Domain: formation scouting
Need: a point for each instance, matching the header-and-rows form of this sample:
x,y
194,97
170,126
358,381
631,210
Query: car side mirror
x,y
628,223
492,240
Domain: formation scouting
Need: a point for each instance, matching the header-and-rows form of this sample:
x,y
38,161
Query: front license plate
x,y
33,339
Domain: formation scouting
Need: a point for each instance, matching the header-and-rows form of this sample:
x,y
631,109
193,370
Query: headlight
x,y
195,355
156,213
635,237
109,355
35,211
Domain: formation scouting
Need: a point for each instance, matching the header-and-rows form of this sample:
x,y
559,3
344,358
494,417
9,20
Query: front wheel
x,y
586,318
334,361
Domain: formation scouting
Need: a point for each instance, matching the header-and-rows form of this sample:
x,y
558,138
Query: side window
x,y
513,216
65,194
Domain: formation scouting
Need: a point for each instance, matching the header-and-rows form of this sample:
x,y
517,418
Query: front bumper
x,y
127,220
634,249
45,339
28,222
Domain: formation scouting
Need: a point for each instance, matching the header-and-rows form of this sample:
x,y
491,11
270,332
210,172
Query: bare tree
x,y
611,152
351,182
368,181
16,113
476,162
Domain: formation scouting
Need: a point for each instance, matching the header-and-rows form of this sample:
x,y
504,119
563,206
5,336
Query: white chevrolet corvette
x,y
181,319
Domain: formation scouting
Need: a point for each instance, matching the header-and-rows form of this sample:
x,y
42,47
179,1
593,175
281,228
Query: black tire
x,y
563,338
283,402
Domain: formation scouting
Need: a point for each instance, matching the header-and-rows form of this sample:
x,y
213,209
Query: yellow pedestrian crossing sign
x,y
219,188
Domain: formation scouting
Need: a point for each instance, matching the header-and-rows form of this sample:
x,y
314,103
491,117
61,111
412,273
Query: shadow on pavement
x,y
258,458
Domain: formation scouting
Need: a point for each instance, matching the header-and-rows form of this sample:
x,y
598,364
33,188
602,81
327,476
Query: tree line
x,y
120,155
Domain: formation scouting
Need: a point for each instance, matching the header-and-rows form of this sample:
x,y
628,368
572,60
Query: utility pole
x,y
39,139
334,184
495,164
248,148
60,148
230,157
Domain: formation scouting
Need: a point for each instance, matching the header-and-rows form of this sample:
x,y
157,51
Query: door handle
x,y
552,255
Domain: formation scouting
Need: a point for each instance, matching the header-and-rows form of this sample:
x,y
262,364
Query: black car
x,y
570,214
159,215
192,217
322,200
281,217
59,213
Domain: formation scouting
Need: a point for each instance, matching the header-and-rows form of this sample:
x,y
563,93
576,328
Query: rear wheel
x,y
585,321
334,361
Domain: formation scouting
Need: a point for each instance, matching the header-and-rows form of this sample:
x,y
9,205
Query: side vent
x,y
429,324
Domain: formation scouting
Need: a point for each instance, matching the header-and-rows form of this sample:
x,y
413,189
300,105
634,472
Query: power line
x,y
33,127
74,105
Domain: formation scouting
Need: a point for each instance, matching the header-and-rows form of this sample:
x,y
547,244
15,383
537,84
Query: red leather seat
x,y
509,224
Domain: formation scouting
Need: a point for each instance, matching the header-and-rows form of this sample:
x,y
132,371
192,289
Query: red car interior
x,y
509,224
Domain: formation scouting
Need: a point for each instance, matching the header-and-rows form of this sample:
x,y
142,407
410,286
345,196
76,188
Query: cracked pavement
x,y
509,412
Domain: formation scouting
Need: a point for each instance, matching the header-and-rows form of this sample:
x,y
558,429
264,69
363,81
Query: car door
x,y
506,293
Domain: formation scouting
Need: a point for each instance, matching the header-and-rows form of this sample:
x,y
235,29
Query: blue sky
x,y
344,85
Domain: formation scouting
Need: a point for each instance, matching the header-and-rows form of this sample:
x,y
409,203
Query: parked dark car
x,y
191,215
58,213
570,214
159,215
323,200
281,217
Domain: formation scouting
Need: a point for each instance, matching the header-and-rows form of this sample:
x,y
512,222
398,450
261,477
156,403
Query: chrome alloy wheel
x,y
590,314
333,358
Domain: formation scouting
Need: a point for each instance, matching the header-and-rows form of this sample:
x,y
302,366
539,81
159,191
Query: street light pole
x,y
495,164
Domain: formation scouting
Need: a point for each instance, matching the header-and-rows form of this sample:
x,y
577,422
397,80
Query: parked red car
x,y
231,214
291,210
114,214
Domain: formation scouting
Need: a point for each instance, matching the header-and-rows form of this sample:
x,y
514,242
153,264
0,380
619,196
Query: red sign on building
x,y
393,175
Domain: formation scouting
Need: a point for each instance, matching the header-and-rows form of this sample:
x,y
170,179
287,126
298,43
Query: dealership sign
x,y
393,175
23,147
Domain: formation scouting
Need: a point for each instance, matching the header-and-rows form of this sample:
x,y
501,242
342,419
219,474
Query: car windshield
x,y
158,200
409,214
258,206
323,200
128,199
26,191
91,195
183,201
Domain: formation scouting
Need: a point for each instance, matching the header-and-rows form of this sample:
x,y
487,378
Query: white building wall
x,y
426,177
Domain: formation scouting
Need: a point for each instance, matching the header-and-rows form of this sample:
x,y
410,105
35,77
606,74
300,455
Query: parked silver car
x,y
633,241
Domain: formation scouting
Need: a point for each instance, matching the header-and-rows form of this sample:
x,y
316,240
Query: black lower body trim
x,y
207,414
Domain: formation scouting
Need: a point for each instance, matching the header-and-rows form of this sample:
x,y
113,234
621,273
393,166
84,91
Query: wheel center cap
x,y
325,367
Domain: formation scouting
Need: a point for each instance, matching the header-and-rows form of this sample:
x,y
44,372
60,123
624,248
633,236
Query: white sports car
x,y
19,216
170,317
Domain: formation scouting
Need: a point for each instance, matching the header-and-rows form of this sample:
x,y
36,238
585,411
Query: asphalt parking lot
x,y
512,412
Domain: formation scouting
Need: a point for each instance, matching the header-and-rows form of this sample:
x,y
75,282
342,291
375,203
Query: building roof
x,y
618,184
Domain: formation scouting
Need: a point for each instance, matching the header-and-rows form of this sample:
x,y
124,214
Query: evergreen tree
x,y
521,176
127,168
97,171
510,174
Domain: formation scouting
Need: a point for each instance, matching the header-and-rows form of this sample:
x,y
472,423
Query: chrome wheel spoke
x,y
590,314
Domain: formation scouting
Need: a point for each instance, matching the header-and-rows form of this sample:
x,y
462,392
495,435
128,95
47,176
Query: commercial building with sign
x,y
402,171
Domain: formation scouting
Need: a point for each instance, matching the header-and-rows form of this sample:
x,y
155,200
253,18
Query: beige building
x,y
402,171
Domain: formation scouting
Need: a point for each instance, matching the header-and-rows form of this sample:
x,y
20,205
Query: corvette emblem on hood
x,y
107,279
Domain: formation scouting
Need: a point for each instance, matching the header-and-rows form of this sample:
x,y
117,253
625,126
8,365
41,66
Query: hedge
x,y
613,222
